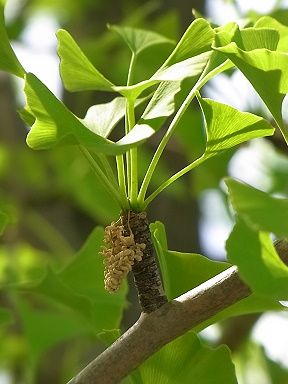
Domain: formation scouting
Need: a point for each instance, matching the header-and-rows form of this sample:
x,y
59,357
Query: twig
x,y
145,272
153,330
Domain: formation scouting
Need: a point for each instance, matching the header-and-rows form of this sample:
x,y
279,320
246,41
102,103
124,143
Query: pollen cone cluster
x,y
120,253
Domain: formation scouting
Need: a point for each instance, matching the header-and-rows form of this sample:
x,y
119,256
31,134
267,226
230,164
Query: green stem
x,y
131,69
171,180
108,169
201,81
131,156
284,133
102,177
163,144
122,179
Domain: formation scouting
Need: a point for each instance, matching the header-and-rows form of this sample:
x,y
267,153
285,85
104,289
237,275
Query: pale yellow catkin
x,y
119,252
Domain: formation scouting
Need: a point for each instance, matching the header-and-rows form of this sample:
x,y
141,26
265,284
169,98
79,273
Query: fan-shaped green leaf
x,y
258,263
282,30
184,271
162,103
227,127
102,118
77,72
260,36
258,209
190,67
8,60
267,72
139,39
55,124
186,360
197,39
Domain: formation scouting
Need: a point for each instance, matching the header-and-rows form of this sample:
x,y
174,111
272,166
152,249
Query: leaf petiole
x,y
122,179
171,180
102,177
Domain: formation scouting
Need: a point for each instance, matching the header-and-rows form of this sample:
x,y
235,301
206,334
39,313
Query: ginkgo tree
x,y
137,112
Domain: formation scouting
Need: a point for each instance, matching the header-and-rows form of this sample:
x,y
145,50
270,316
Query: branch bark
x,y
153,330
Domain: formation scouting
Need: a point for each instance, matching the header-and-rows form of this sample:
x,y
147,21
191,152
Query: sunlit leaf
x,y
258,263
160,106
227,127
249,39
282,30
187,360
8,60
188,59
139,39
102,118
55,124
197,39
26,116
258,209
176,72
267,72
162,103
77,72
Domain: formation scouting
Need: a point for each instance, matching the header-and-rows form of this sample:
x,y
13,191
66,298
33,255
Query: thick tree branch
x,y
153,330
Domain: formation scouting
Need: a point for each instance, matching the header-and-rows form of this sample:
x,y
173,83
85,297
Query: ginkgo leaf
x,y
102,118
267,72
258,263
184,271
176,72
139,39
227,126
55,124
187,360
188,59
197,39
258,209
77,72
282,30
249,39
8,59
162,103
